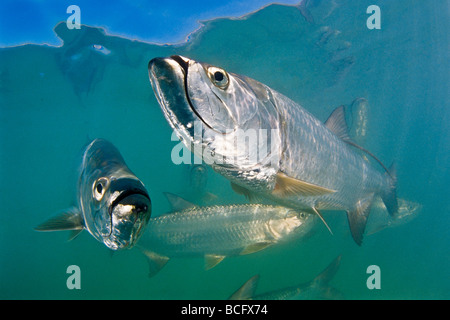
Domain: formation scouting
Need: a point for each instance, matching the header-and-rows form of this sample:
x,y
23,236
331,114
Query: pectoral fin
x,y
357,218
74,234
155,261
286,186
245,192
212,260
323,220
70,219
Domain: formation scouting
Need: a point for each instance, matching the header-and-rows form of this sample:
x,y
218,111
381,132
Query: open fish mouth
x,y
126,234
129,213
122,198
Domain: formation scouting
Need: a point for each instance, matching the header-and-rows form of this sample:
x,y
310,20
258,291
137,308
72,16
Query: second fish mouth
x,y
125,194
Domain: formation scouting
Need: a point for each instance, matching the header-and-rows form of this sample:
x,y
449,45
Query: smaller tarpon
x,y
315,289
113,204
380,219
216,232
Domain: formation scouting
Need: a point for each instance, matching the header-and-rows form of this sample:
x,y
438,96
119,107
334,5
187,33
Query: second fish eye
x,y
99,188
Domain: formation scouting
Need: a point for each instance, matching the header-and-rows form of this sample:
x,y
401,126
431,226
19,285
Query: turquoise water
x,y
54,99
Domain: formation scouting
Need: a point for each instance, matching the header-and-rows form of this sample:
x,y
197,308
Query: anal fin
x,y
212,260
357,218
155,261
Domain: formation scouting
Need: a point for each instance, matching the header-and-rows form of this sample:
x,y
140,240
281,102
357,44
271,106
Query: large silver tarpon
x,y
295,159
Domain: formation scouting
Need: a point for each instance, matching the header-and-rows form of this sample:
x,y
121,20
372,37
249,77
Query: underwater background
x,y
55,98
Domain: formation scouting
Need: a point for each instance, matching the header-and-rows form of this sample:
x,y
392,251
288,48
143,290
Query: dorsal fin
x,y
370,154
326,275
337,124
177,203
247,291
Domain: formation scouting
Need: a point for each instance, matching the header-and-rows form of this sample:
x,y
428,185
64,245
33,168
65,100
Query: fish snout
x,y
130,209
129,219
182,61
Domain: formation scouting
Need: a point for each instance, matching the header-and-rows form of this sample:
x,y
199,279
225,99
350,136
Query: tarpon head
x,y
122,209
407,211
116,204
228,120
291,223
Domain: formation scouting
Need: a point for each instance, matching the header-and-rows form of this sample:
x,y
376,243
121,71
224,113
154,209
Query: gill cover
x,y
214,94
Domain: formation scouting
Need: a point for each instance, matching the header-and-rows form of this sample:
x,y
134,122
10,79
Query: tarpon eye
x,y
99,188
219,77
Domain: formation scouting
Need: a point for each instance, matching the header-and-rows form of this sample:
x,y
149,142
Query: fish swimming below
x,y
198,180
216,232
380,218
318,288
113,204
303,163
